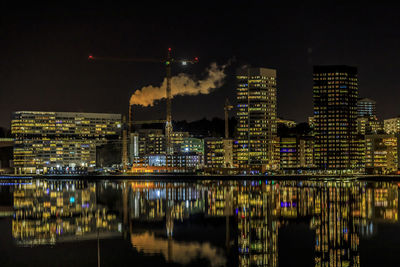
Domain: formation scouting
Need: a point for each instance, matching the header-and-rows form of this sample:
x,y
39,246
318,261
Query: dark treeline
x,y
300,129
200,128
216,128
5,133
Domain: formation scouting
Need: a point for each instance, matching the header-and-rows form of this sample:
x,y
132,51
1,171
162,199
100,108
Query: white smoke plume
x,y
182,84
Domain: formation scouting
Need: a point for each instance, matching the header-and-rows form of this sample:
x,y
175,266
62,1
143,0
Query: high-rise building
x,y
366,108
60,142
335,111
257,121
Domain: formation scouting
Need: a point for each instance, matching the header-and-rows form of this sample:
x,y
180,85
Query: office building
x,y
177,140
145,142
296,153
392,126
213,152
381,154
289,153
335,93
192,144
257,121
60,142
306,152
368,125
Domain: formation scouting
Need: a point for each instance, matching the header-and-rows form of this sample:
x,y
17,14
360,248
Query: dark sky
x,y
44,49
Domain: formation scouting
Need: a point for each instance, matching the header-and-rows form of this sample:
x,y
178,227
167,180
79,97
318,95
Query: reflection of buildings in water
x,y
179,252
386,203
150,201
47,212
339,213
257,225
335,222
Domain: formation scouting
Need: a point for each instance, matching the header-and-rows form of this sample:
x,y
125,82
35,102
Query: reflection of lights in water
x,y
8,184
182,252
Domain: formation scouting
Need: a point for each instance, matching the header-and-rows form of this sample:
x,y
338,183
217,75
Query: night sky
x,y
44,50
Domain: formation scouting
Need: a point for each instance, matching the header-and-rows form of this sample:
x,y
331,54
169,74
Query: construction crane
x,y
168,61
227,107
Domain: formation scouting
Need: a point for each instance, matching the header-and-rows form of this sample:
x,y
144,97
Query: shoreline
x,y
188,177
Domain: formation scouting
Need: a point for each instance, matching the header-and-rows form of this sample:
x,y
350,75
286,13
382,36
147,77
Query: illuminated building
x,y
176,160
367,122
306,152
335,112
228,153
296,153
257,120
392,126
381,156
219,156
191,144
145,142
366,108
289,153
213,152
370,125
177,139
60,142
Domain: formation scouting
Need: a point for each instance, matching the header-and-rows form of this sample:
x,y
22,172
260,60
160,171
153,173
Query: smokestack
x,y
182,84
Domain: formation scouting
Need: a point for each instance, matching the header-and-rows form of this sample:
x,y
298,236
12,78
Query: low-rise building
x,y
381,153
60,142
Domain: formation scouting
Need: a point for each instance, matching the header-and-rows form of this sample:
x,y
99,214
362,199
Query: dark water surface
x,y
46,222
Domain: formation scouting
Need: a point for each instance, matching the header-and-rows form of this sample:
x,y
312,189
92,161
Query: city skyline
x,y
45,55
